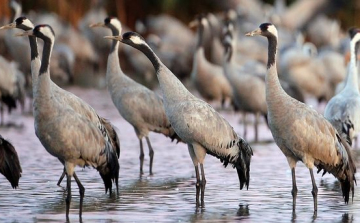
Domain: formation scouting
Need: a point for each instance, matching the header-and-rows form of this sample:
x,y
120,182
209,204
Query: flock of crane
x,y
72,131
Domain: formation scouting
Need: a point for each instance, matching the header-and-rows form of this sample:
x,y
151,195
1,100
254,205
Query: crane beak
x,y
254,33
9,26
26,33
99,24
118,38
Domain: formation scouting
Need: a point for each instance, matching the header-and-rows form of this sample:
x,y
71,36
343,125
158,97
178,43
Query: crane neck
x,y
230,50
351,81
229,54
16,11
200,36
115,44
273,86
171,87
45,62
33,47
149,53
272,51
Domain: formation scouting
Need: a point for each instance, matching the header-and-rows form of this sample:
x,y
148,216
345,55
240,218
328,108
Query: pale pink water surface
x,y
168,195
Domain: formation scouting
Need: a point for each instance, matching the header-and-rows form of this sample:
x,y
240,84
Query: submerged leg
x,y
197,185
294,188
256,125
82,192
141,157
68,198
195,162
61,177
314,190
151,154
244,123
203,183
2,114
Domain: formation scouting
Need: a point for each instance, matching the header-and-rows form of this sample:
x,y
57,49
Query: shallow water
x,y
168,195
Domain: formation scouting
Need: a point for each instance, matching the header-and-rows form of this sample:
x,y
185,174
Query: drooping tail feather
x,y
9,163
347,129
109,171
115,139
349,170
243,163
112,133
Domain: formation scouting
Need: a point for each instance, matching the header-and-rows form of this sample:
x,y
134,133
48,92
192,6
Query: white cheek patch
x,y
116,23
27,23
137,40
356,38
273,30
204,22
47,32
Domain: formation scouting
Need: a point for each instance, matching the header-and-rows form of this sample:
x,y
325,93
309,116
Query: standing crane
x,y
301,133
137,104
196,122
66,134
208,78
343,110
76,103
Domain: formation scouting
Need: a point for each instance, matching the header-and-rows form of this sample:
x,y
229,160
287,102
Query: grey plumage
x,y
65,97
343,110
196,122
248,89
66,134
208,79
138,105
301,133
9,162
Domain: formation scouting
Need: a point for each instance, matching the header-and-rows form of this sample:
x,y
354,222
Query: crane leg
x,y
202,184
244,123
61,177
141,157
314,190
196,165
256,125
294,188
2,115
197,185
82,192
151,154
68,198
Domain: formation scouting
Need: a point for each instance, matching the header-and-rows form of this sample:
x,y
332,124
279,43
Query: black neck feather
x,y
33,47
46,57
150,54
272,50
200,36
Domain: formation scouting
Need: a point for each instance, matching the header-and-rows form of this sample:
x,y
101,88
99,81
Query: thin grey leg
x,y
68,198
314,190
141,157
203,183
2,114
256,126
294,188
61,177
151,154
82,192
197,185
244,122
